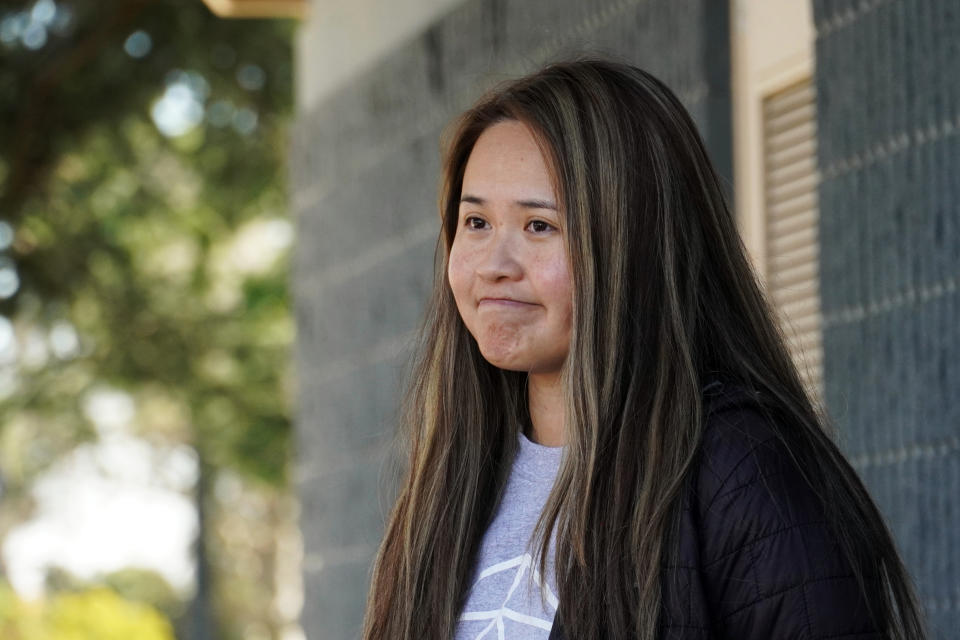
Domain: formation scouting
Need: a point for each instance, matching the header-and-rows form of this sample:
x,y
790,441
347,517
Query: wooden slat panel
x,y
793,258
809,322
797,169
798,219
799,202
784,139
803,237
795,293
806,149
789,99
790,189
804,306
790,120
807,341
793,188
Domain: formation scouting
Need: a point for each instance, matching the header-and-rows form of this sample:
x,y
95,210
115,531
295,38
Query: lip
x,y
507,302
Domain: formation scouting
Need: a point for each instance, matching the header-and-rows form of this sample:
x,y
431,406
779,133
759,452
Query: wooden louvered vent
x,y
792,248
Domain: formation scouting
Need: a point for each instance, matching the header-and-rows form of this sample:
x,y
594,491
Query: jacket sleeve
x,y
770,566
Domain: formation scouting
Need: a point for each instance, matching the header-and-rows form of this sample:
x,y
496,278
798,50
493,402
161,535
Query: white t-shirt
x,y
504,600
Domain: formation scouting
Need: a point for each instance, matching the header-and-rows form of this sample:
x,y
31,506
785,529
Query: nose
x,y
501,259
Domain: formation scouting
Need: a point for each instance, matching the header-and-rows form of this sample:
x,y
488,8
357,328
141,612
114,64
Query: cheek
x,y
558,286
458,276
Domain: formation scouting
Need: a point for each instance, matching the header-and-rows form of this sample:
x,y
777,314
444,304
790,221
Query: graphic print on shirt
x,y
516,606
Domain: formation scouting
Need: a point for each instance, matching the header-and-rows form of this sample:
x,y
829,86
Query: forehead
x,y
506,163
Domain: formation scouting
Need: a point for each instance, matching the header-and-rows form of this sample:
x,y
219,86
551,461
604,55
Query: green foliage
x,y
146,245
96,614
127,234
133,585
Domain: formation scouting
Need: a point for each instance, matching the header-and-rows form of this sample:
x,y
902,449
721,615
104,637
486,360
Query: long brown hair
x,y
664,298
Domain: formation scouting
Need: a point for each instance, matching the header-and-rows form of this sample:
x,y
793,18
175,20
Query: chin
x,y
518,353
516,362
507,362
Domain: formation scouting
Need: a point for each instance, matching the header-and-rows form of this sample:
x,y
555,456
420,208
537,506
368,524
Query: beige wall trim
x,y
775,172
259,8
342,39
772,43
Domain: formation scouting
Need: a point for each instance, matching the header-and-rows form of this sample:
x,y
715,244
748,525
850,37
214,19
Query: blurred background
x,y
217,225
145,324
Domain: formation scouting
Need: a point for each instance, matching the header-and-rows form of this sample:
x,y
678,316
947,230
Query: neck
x,y
546,409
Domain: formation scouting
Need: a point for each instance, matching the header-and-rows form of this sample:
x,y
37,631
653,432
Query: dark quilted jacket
x,y
756,558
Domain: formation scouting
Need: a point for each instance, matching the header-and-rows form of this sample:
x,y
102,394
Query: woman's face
x,y
508,266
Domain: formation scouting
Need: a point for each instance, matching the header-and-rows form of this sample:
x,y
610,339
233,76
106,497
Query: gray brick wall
x,y
888,103
364,171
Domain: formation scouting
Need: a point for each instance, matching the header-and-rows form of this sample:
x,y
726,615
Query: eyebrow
x,y
526,204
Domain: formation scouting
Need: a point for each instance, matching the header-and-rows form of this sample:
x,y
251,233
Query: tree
x,y
143,181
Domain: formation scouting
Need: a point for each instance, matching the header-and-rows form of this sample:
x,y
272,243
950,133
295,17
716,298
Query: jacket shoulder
x,y
735,433
769,563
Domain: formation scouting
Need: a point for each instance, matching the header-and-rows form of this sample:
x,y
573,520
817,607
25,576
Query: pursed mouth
x,y
505,302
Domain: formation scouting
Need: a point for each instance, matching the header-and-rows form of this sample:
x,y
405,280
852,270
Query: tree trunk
x,y
200,620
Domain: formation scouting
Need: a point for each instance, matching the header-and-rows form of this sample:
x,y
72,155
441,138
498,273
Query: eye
x,y
473,222
540,226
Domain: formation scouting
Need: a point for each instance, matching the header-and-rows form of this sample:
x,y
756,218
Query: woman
x,y
607,437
